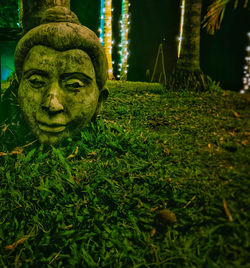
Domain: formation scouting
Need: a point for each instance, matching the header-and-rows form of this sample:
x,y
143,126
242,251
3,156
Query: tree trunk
x,y
32,10
187,73
108,36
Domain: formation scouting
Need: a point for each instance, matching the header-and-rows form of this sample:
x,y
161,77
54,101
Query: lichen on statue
x,y
62,70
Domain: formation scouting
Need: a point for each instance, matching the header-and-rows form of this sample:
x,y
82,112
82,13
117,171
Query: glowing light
x,y
101,29
181,27
124,40
106,32
246,69
20,13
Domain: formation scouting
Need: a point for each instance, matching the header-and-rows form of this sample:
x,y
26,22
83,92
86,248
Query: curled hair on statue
x,y
60,29
59,14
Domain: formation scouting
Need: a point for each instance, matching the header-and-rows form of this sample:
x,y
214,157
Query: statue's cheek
x,y
29,100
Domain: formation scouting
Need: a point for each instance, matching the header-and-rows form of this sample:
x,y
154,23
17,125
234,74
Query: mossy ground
x,y
92,200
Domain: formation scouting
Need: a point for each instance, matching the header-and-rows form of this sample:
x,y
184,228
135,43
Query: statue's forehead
x,y
46,58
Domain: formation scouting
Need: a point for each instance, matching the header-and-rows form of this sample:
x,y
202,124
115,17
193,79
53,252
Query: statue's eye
x,y
74,84
36,81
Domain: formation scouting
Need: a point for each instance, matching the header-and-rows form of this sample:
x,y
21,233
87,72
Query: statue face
x,y
58,93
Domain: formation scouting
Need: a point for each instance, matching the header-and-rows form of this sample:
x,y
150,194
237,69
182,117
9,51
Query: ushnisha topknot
x,y
61,30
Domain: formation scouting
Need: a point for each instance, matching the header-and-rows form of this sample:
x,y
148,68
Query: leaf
x,y
69,177
92,154
67,233
87,258
74,153
236,114
56,256
153,232
227,211
29,155
5,126
17,243
17,150
244,142
215,13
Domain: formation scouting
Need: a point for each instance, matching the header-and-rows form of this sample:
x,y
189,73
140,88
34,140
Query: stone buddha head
x,y
62,70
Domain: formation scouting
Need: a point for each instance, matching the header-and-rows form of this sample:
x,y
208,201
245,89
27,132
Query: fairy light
x,y
246,72
123,66
101,29
106,32
20,13
181,27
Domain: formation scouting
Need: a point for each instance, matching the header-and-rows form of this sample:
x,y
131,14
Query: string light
x,y
181,27
246,72
101,29
124,40
106,32
20,13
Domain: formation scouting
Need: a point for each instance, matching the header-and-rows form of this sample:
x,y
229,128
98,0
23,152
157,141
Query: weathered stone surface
x,y
58,14
62,70
63,36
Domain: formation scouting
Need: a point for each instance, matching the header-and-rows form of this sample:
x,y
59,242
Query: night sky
x,y
157,21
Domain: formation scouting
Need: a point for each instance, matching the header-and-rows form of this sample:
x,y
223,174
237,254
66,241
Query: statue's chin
x,y
51,134
51,138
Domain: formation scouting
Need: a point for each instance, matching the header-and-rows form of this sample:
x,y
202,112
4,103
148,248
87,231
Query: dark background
x,y
157,21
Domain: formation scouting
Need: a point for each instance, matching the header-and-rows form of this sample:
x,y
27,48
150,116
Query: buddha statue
x,y
61,69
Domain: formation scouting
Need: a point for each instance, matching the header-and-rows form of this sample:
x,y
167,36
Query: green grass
x,y
92,200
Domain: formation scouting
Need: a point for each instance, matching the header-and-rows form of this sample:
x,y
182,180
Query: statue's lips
x,y
51,128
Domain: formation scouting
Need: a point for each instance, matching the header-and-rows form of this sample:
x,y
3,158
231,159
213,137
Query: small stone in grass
x,y
164,218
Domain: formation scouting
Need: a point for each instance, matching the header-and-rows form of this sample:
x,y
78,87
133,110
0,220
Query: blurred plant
x,y
9,14
215,13
9,109
213,85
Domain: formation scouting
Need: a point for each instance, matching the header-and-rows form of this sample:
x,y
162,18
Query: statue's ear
x,y
104,93
102,97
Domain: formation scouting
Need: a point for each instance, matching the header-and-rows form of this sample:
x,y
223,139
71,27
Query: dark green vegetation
x,y
92,201
9,13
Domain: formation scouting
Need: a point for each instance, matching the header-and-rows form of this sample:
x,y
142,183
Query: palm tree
x,y
187,73
108,36
106,33
215,13
124,40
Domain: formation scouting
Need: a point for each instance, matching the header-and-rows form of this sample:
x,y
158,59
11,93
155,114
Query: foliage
x,y
92,200
9,13
215,13
212,85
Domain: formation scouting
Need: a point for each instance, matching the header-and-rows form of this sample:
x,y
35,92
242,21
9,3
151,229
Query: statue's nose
x,y
51,102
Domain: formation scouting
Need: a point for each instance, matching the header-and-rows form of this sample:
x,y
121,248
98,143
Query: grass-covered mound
x,y
92,201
